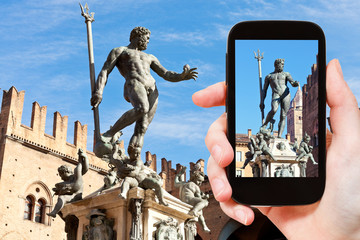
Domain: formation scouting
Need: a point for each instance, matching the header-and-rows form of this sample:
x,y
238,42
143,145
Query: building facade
x,y
29,159
310,116
295,117
241,144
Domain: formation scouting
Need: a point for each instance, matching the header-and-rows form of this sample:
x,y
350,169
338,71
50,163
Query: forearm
x,y
85,165
172,76
101,82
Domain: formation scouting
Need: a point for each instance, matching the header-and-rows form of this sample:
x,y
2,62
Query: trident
x,y
89,18
259,57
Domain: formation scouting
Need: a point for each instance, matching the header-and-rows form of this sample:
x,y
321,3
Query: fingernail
x,y
216,153
241,216
218,186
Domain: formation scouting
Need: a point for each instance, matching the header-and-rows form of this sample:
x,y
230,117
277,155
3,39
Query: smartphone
x,y
276,112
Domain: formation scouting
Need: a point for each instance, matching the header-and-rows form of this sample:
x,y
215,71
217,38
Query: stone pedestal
x,y
285,164
137,217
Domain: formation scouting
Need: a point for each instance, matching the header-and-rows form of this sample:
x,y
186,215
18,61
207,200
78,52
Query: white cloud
x,y
194,38
186,127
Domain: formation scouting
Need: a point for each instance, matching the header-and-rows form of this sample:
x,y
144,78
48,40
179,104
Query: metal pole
x,y
259,57
89,18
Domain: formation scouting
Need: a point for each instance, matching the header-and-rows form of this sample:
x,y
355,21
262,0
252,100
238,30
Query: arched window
x,y
39,211
29,203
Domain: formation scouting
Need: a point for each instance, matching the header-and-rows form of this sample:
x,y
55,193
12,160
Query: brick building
x,y
310,116
29,159
241,144
295,117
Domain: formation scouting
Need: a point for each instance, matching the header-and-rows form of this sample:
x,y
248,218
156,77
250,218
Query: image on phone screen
x,y
276,108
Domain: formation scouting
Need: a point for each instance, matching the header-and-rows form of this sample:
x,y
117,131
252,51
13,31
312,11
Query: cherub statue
x,y
305,150
71,188
110,179
190,193
249,155
135,174
261,147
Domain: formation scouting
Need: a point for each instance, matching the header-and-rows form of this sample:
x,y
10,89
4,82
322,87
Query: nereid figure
x,y
135,174
190,193
72,187
305,150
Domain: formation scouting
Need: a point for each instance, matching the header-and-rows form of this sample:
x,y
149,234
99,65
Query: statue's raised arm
x,y
188,73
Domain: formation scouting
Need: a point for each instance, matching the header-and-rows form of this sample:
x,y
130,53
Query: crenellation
x,y
11,109
152,158
164,165
80,135
38,118
35,136
192,166
60,128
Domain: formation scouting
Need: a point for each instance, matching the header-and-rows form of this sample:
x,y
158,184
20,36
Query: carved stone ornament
x,y
136,222
100,227
190,229
167,230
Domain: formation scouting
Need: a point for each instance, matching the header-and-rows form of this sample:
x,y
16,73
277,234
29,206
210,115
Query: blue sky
x,y
44,52
299,56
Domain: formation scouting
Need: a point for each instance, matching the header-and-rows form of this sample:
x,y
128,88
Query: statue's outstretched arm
x,y
291,80
178,181
85,163
170,75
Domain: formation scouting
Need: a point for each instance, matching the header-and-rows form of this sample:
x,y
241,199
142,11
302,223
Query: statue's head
x,y
65,172
134,152
279,65
260,136
307,138
140,36
110,179
197,177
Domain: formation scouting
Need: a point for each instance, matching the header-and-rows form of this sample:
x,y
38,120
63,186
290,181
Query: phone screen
x,y
276,108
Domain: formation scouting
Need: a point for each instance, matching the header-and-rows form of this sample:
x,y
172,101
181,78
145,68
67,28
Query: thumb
x,y
344,110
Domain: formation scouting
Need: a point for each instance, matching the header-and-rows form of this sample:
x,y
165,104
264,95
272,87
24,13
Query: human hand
x,y
189,73
96,99
337,214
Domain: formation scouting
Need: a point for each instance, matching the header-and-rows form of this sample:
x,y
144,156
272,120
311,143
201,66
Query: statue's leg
x,y
125,186
254,156
198,204
246,163
151,183
143,123
285,106
138,97
58,206
312,158
203,223
274,108
302,154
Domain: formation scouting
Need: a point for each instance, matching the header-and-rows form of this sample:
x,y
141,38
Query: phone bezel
x,y
277,191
